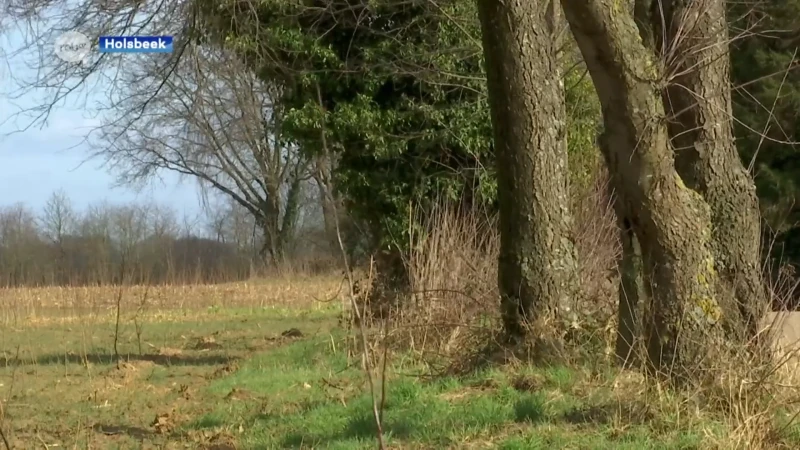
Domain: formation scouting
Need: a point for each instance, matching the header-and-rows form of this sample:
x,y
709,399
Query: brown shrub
x,y
452,267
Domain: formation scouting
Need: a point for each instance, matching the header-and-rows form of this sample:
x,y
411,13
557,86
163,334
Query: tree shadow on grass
x,y
361,426
530,409
113,430
206,359
633,413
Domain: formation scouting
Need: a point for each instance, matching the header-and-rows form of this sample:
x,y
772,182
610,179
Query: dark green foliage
x,y
397,86
399,90
764,67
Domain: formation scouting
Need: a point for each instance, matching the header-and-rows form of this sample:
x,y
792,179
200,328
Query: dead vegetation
x,y
60,305
56,344
453,312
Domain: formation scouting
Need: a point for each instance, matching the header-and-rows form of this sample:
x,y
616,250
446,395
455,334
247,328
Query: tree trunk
x,y
632,290
272,249
537,265
632,293
699,104
671,222
329,221
327,197
291,213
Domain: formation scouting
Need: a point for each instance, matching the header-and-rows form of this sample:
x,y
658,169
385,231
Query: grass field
x,y
208,367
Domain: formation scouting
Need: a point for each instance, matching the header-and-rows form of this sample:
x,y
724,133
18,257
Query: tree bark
x,y
633,292
698,98
272,250
327,197
671,222
537,264
291,214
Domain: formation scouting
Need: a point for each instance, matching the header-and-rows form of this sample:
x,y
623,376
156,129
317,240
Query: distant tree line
x,y
139,243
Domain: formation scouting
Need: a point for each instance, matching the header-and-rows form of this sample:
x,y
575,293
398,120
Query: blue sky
x,y
36,162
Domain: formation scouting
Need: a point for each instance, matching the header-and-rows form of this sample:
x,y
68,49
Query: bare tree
x,y
162,222
128,229
214,122
215,222
94,228
56,222
197,111
39,23
20,248
229,222
57,218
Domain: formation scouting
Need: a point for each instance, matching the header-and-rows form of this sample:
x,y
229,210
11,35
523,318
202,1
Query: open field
x,y
208,367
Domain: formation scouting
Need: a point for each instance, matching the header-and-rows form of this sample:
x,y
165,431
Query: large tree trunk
x,y
537,265
699,103
672,222
272,251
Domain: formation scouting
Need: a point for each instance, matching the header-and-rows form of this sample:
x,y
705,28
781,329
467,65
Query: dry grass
x,y
598,247
21,306
57,343
453,272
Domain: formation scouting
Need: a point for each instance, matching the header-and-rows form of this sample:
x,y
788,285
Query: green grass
x,y
60,383
257,390
305,395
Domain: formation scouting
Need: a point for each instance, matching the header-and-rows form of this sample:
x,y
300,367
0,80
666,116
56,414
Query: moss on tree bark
x,y
672,222
698,98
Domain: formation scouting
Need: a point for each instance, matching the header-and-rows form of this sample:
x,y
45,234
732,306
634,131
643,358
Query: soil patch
x,y
207,343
